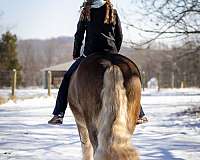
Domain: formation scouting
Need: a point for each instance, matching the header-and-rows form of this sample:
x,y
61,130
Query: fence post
x,y
184,80
158,78
173,80
49,83
14,82
143,80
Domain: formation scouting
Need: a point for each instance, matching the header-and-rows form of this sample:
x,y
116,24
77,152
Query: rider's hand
x,y
75,57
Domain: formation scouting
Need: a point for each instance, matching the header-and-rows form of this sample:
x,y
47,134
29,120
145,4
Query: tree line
x,y
174,66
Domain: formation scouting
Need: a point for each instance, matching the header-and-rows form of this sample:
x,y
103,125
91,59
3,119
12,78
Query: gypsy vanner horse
x,y
104,96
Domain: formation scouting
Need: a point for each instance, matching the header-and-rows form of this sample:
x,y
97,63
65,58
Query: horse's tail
x,y
114,134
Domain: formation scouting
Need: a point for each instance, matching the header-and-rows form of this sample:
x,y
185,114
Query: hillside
x,y
36,54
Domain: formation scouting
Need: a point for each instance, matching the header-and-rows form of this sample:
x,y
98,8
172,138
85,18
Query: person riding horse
x,y
103,31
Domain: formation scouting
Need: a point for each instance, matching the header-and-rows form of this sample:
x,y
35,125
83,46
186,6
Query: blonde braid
x,y
110,17
85,12
110,13
107,17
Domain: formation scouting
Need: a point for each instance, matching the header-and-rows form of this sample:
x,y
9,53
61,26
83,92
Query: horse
x,y
104,97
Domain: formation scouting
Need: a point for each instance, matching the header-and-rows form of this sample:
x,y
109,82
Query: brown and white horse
x,y
104,96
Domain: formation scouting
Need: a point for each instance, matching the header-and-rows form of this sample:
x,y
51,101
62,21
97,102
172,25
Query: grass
x,y
2,100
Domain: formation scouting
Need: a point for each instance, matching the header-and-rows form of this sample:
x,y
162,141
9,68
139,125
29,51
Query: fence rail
x,y
9,78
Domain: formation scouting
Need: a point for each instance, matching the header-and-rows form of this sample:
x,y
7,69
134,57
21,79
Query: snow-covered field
x,y
25,134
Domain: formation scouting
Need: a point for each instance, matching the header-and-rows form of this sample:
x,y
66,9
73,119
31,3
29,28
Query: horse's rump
x,y
104,96
88,79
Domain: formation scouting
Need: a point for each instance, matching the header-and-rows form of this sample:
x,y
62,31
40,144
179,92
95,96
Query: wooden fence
x,y
9,78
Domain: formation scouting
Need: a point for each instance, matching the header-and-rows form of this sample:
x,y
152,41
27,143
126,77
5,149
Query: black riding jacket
x,y
100,37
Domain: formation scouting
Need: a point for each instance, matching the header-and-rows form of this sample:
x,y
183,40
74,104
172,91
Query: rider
x,y
103,34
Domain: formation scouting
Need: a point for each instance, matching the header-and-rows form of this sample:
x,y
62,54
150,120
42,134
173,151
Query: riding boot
x,y
56,120
142,118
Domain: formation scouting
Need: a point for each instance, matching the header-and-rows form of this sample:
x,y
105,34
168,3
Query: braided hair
x,y
85,11
110,17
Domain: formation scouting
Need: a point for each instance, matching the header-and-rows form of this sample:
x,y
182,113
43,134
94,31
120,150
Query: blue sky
x,y
45,18
40,18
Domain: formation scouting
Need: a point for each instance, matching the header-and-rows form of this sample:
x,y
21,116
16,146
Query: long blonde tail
x,y
113,134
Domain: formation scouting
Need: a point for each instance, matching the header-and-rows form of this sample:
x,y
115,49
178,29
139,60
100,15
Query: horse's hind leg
x,y
87,149
86,145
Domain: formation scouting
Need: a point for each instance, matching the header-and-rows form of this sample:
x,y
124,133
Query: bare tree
x,y
29,62
168,18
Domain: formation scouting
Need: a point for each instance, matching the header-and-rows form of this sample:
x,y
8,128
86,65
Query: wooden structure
x,y
57,73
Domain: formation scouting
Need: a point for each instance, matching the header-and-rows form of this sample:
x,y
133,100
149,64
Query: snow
x,y
25,134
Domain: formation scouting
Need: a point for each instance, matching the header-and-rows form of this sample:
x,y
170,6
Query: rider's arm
x,y
78,38
118,33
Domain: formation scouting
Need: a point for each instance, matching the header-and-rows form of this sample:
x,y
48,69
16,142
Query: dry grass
x,y
2,100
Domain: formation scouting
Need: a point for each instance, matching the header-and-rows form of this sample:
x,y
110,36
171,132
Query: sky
x,y
40,18
43,19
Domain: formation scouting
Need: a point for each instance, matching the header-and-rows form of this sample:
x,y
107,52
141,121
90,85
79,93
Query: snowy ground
x,y
25,134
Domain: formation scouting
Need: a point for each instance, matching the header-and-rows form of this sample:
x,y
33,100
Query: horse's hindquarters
x,y
105,96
